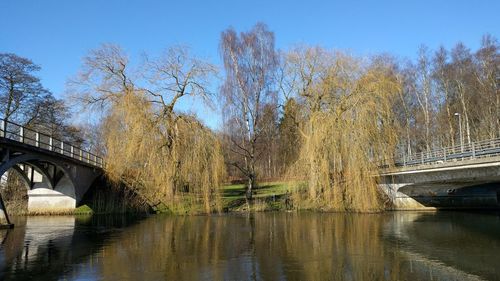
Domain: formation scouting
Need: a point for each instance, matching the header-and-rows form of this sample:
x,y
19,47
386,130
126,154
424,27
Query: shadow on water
x,y
261,246
460,241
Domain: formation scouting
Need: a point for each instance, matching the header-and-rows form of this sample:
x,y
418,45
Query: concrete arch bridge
x,y
56,174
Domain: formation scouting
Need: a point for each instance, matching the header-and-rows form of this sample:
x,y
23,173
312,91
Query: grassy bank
x,y
267,196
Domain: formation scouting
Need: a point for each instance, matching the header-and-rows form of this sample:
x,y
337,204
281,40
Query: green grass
x,y
266,189
270,194
267,196
83,210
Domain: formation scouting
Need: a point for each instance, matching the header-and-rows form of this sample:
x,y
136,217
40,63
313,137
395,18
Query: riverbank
x,y
267,196
280,196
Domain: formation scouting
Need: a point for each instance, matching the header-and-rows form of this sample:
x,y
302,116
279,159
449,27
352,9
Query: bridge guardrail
x,y
473,150
19,133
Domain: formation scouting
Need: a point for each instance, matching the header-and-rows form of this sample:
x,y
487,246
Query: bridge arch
x,y
50,184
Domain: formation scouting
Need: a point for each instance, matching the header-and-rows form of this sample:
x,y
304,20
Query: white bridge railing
x,y
473,150
18,133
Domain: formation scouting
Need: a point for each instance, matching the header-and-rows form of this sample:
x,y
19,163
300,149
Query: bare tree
x,y
307,67
424,93
24,100
444,88
174,76
250,62
20,90
463,73
487,75
151,146
163,81
104,78
405,106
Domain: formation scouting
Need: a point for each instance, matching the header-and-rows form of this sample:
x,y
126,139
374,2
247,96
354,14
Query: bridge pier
x,y
46,201
42,198
401,201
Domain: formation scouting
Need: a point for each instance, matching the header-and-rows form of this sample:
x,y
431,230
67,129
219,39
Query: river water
x,y
262,246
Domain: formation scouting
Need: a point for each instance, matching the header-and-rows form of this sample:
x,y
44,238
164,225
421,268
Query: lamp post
x,y
460,128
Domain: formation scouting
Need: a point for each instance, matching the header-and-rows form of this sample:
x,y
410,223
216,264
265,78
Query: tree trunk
x,y
9,102
269,169
251,183
465,111
450,125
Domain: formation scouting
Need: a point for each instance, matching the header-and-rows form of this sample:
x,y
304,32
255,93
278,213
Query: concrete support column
x,y
401,201
43,199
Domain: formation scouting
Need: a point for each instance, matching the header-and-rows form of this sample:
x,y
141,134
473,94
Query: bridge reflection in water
x,y
266,246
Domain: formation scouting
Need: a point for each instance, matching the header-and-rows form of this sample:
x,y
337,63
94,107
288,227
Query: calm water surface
x,y
264,246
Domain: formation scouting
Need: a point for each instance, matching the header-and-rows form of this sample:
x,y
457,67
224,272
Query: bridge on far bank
x,y
56,174
466,176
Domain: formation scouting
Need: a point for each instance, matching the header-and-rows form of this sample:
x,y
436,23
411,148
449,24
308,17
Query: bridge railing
x,y
16,132
473,150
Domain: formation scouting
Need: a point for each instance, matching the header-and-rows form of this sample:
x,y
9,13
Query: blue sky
x,y
57,34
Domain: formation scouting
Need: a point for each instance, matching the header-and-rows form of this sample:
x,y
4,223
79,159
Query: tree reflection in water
x,y
262,246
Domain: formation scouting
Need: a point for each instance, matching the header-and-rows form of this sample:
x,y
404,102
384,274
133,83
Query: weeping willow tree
x,y
163,155
349,129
